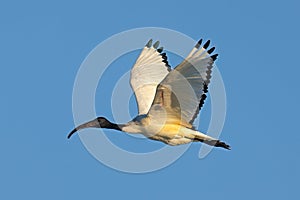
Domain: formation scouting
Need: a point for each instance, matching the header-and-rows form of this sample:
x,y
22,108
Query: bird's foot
x,y
217,143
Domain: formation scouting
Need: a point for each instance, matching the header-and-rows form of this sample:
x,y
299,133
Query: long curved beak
x,y
91,124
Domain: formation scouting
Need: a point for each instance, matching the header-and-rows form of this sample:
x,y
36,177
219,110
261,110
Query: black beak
x,y
91,124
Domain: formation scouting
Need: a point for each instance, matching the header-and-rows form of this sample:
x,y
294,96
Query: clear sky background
x,y
42,45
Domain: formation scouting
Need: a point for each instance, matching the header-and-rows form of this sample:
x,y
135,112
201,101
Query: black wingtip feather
x,y
211,50
206,44
214,57
201,103
159,50
205,88
198,43
156,44
149,43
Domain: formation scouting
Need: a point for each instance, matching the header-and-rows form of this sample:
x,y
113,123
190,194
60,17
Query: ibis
x,y
169,100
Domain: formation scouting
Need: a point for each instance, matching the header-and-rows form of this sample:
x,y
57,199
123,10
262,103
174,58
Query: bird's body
x,y
170,132
168,100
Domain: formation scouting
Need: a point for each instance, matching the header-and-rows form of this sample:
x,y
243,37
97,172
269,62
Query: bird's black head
x,y
99,122
103,122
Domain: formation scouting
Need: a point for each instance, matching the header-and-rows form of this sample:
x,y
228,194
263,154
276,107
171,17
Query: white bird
x,y
168,100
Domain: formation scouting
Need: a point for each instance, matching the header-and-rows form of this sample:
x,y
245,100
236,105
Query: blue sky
x,y
42,47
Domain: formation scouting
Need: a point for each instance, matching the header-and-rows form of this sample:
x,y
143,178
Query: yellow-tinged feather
x,y
172,130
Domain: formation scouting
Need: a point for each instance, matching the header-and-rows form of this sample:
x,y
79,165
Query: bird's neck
x,y
113,126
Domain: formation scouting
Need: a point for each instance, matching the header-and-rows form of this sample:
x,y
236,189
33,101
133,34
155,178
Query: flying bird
x,y
168,99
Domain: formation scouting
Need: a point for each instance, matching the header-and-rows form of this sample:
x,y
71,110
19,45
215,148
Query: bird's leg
x,y
217,143
209,140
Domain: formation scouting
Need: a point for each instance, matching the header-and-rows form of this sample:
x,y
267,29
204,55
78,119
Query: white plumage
x,y
168,100
147,72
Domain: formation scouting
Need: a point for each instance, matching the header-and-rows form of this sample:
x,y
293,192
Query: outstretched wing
x,y
149,70
182,93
